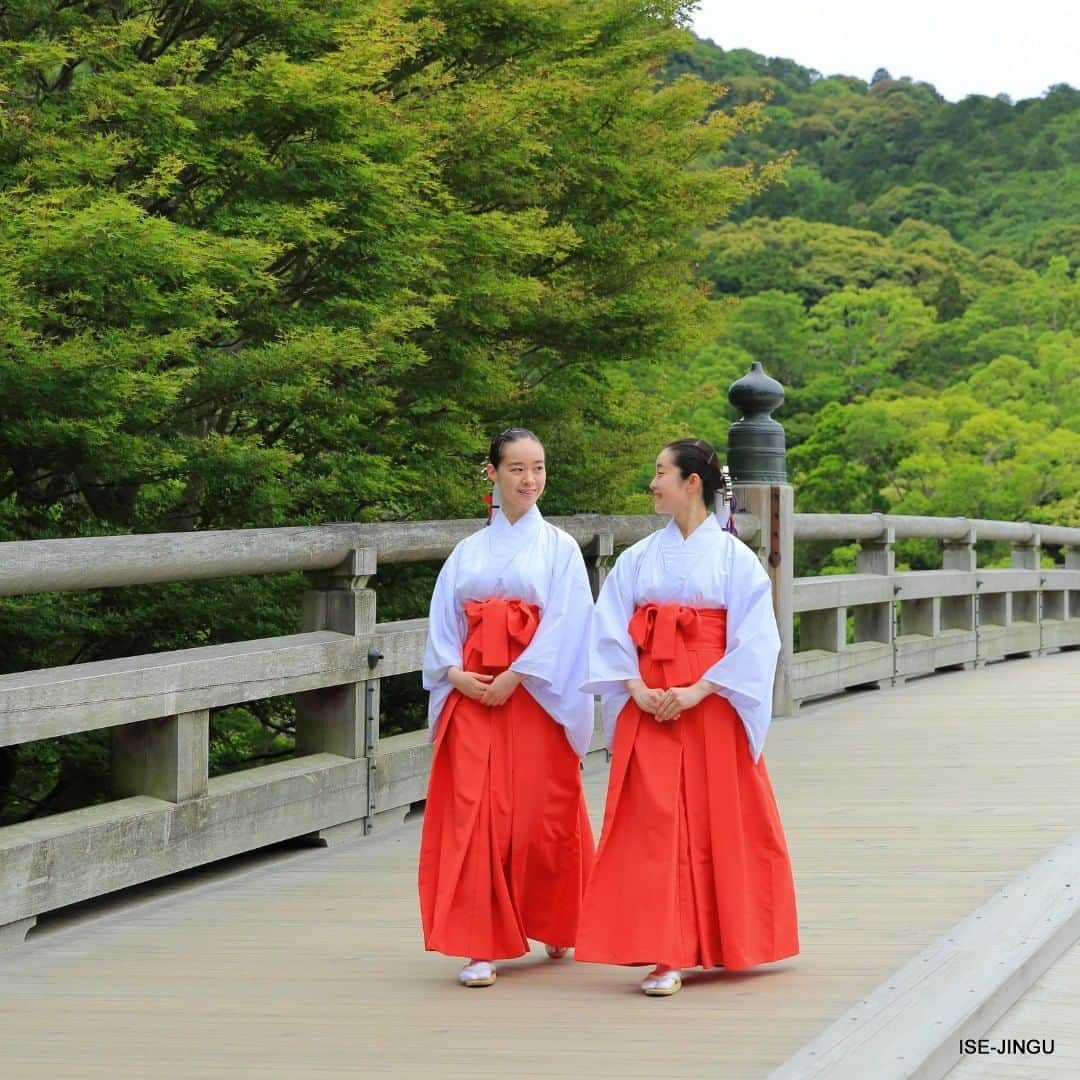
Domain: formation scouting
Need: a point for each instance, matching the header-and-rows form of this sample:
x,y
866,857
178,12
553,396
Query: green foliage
x,y
283,261
1002,178
813,259
913,285
1003,443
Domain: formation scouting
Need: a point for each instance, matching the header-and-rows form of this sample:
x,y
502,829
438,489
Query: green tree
x,y
870,335
283,261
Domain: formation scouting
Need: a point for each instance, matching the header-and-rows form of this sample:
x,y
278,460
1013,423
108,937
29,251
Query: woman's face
x,y
520,476
670,492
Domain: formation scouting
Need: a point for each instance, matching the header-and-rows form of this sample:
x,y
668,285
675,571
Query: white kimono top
x,y
709,569
539,564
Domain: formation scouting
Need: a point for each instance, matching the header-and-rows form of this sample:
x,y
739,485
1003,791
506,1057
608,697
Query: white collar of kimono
x,y
525,526
672,536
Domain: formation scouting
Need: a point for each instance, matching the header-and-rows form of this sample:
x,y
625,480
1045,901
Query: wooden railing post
x,y
598,552
1026,604
774,506
960,554
874,622
961,612
333,720
877,622
825,630
1027,556
166,758
756,456
1070,601
343,719
159,705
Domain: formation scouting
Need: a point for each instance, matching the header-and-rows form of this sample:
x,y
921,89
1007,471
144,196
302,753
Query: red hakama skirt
x,y
692,868
506,846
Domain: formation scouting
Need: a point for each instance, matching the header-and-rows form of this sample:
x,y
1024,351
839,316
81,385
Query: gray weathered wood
x,y
921,616
598,553
841,590
108,693
327,667
892,845
960,553
34,566
401,772
44,863
874,622
1061,634
774,545
13,934
876,555
402,646
818,672
333,719
167,757
912,1024
870,526
825,629
922,654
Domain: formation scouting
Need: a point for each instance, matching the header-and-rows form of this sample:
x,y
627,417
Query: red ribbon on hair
x,y
489,502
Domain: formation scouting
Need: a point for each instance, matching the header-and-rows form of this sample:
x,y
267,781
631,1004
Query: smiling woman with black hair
x,y
692,868
506,845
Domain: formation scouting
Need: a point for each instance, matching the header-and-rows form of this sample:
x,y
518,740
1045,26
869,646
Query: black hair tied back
x,y
698,456
495,451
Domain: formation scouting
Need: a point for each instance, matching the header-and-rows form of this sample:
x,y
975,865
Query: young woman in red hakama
x,y
692,868
506,845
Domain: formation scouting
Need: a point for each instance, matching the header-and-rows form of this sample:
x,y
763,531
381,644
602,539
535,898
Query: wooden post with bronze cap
x,y
758,464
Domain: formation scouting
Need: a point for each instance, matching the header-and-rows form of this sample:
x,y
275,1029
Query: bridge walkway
x,y
905,809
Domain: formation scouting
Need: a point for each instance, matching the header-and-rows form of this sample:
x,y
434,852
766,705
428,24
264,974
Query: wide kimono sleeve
x,y
554,664
445,640
613,657
746,673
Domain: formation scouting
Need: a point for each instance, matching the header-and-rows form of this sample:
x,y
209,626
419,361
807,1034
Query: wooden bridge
x,y
932,824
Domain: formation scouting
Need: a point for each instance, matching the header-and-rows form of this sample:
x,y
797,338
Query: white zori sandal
x,y
663,985
478,973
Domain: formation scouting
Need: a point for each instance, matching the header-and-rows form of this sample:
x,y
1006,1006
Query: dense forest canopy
x,y
1002,178
913,282
281,262
285,261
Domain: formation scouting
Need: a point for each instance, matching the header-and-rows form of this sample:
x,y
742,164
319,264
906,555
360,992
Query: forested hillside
x,y
913,284
1002,177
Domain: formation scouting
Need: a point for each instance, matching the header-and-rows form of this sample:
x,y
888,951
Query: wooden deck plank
x,y
905,809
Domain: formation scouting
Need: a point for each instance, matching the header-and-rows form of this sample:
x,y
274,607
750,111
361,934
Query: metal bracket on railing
x,y
977,617
774,526
373,657
1039,612
895,632
371,744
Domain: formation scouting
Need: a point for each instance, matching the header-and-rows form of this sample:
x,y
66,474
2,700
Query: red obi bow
x,y
497,628
659,631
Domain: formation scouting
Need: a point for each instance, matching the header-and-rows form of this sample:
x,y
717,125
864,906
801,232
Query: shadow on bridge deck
x,y
905,810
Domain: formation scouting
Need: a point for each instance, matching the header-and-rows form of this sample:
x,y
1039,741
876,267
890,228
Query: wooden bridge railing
x,y
169,815
913,623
